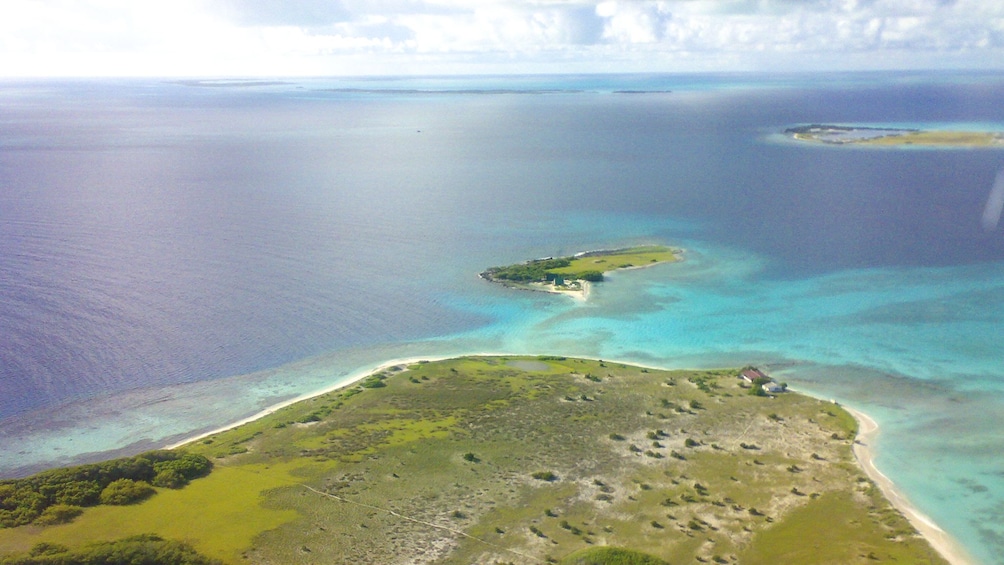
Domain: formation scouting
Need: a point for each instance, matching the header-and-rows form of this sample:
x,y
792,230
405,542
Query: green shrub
x,y
22,501
175,473
526,272
757,388
58,514
169,478
125,491
46,548
376,381
137,550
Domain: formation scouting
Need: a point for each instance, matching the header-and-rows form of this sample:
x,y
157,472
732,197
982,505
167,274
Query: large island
x,y
573,275
490,459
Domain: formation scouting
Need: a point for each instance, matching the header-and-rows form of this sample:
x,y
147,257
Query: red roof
x,y
753,374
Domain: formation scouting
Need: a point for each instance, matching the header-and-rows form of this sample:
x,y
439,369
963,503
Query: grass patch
x,y
619,259
830,529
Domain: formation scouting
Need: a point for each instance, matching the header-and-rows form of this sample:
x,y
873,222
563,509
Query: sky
x,y
258,38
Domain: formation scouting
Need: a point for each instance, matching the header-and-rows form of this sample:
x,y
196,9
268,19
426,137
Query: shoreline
x,y
868,429
350,380
940,540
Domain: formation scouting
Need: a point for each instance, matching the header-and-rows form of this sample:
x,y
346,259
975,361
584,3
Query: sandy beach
x,y
579,295
348,381
946,545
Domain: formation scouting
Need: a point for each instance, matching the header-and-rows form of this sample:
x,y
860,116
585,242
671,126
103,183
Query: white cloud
x,y
247,37
305,13
633,22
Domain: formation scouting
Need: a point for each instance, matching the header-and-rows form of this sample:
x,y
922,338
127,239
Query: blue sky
x,y
374,37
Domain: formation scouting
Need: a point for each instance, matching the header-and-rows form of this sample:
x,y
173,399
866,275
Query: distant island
x,y
572,275
887,137
488,459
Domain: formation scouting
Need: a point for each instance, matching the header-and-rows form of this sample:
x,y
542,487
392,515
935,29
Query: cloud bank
x,y
325,37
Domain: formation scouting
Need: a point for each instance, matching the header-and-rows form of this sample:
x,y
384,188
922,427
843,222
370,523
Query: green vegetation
x,y
372,382
56,496
589,267
523,460
58,514
590,263
220,515
799,540
610,556
756,389
536,270
125,491
136,550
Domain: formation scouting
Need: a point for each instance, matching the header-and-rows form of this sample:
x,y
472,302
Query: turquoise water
x,y
175,258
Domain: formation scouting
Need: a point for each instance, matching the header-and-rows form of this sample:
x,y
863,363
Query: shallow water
x,y
176,257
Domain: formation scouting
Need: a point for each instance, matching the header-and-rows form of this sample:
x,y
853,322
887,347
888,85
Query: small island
x,y
890,137
572,275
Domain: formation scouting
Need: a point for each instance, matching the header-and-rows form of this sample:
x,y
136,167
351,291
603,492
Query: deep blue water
x,y
175,256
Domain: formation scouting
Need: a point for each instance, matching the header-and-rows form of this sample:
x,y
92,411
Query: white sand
x,y
945,544
579,295
350,380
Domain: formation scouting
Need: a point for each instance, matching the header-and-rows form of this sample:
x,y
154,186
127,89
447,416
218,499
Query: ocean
x,y
177,255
